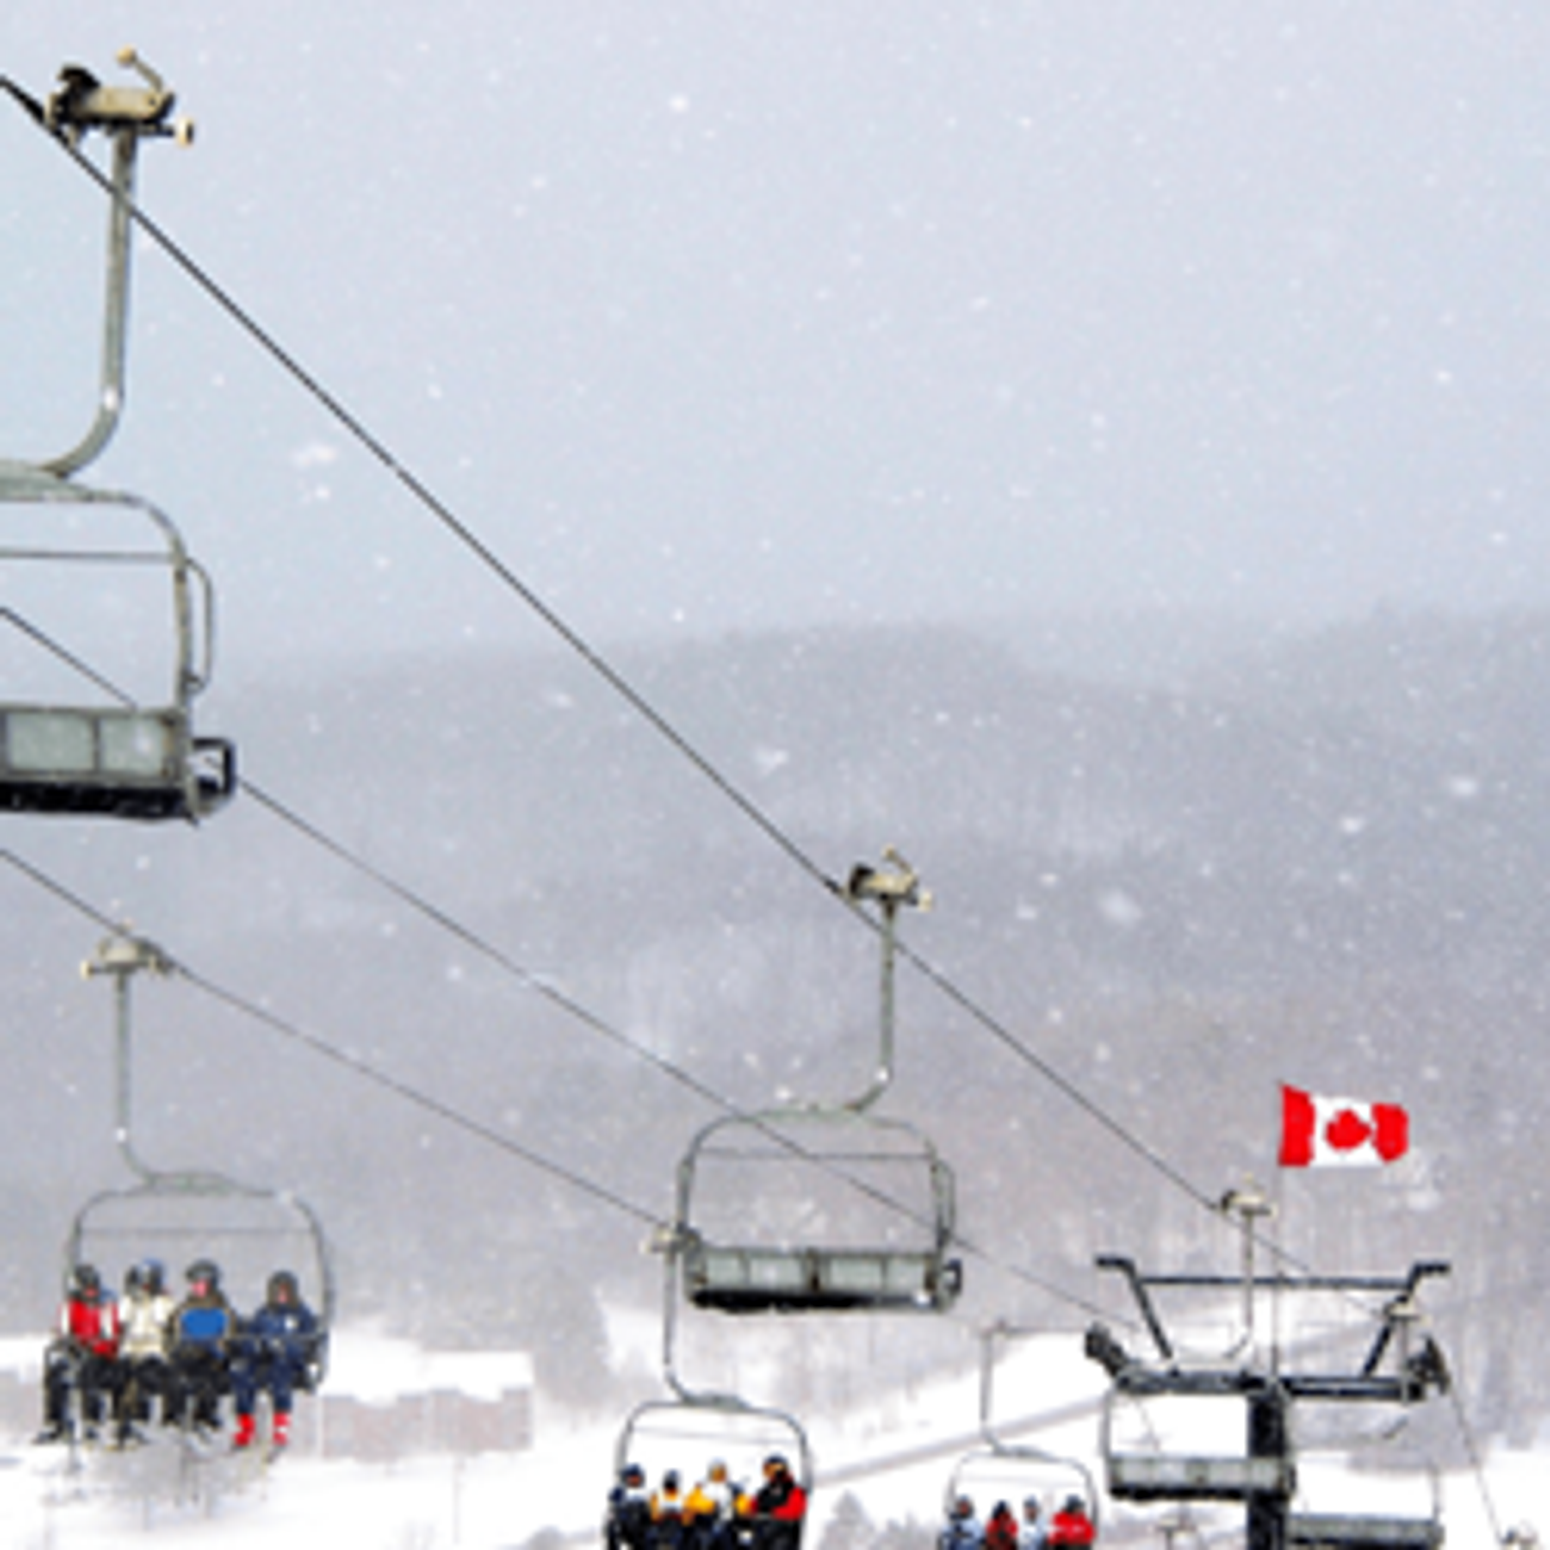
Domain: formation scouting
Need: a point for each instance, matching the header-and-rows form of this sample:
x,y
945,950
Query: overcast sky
x,y
763,312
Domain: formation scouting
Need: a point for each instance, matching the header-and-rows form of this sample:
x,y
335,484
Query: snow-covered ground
x,y
502,1500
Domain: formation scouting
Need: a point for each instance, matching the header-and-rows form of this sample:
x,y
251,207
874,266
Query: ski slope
x,y
505,1500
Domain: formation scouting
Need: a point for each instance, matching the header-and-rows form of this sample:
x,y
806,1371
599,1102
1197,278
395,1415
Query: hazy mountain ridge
x,y
1322,863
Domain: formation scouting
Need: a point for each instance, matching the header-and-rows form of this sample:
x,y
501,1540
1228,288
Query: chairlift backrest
x,y
1360,1531
815,1210
1186,1447
689,1431
101,749
1004,1469
179,1219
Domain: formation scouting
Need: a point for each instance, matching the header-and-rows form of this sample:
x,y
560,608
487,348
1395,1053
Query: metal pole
x,y
1268,1437
123,957
1250,1206
121,1056
888,889
886,1019
115,330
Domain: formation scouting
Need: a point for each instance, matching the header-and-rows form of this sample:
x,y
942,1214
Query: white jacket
x,y
145,1325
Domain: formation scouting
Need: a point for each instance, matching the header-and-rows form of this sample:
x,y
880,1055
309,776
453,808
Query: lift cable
x,y
599,664
594,659
622,686
426,497
1476,1457
1063,1084
544,987
593,1021
557,997
62,654
355,1064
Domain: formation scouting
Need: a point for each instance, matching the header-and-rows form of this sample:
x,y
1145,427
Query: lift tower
x,y
1400,1368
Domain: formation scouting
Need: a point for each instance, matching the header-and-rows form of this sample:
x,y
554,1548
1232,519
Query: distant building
x,y
387,1399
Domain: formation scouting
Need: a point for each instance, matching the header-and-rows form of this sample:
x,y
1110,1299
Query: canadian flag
x,y
1324,1132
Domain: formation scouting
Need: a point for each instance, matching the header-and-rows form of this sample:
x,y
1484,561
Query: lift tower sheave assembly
x,y
106,753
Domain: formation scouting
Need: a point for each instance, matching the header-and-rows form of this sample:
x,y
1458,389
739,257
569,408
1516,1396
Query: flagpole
x,y
1277,1239
1277,1209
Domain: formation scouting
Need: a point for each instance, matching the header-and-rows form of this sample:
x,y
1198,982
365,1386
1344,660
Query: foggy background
x,y
732,315
1095,449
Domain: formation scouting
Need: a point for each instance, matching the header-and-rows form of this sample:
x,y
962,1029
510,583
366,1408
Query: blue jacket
x,y
283,1331
203,1323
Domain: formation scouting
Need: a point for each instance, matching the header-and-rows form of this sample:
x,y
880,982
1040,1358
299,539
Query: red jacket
x,y
94,1324
787,1503
1001,1531
1071,1528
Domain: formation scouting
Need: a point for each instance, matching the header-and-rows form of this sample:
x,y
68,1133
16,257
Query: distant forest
x,y
1174,864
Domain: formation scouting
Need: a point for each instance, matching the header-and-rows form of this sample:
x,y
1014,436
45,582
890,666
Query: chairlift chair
x,y
693,1426
765,1253
812,1220
689,1431
1142,1466
1001,1469
108,754
176,1218
179,1216
1402,1491
1366,1530
113,756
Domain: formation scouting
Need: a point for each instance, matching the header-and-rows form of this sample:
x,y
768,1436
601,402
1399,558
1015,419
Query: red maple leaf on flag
x,y
1347,1131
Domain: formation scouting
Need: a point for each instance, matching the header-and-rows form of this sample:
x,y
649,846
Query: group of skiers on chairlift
x,y
1068,1526
715,1514
119,1356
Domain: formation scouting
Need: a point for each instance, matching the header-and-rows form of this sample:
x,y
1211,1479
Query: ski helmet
x,y
205,1270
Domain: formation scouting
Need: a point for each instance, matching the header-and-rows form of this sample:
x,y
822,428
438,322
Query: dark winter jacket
x,y
1001,1530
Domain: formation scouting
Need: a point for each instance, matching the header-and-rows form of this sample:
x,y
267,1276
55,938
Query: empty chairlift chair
x,y
781,1236
821,1207
75,737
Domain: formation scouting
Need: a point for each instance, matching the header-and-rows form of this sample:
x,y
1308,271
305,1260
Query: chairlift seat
x,y
1341,1531
738,1259
670,1433
1185,1477
779,1280
130,762
248,1231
